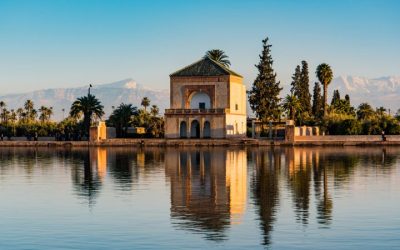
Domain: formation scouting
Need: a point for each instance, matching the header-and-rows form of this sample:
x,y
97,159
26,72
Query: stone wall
x,y
346,138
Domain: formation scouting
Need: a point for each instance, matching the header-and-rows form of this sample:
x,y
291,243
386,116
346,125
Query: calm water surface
x,y
119,198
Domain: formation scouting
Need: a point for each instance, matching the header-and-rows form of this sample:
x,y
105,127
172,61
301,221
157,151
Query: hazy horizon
x,y
61,44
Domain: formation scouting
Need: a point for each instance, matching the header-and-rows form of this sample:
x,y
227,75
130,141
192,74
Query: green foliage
x,y
342,124
300,89
318,104
365,111
292,105
264,95
218,56
88,106
121,118
325,75
341,106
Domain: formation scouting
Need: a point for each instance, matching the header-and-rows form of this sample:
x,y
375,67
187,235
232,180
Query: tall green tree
x,y
218,56
89,106
305,97
296,87
325,75
335,97
145,103
318,104
264,94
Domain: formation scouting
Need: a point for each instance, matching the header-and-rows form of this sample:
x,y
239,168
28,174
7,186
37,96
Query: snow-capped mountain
x,y
382,91
111,94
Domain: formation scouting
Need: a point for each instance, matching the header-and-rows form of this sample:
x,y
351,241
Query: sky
x,y
70,43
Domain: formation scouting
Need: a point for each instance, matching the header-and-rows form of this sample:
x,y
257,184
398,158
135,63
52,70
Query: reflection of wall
x,y
98,160
236,181
208,188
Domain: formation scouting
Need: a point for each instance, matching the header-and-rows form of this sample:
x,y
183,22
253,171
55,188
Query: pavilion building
x,y
207,100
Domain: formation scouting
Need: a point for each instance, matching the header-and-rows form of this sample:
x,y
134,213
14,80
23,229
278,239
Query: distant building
x,y
207,100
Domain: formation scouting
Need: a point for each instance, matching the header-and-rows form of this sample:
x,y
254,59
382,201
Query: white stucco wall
x,y
235,125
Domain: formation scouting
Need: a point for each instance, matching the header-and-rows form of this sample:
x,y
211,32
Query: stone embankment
x,y
298,141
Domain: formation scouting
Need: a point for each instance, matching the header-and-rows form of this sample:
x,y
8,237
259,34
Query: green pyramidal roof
x,y
205,67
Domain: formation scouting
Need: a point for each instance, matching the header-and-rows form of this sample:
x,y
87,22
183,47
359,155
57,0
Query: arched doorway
x,y
207,130
183,130
195,129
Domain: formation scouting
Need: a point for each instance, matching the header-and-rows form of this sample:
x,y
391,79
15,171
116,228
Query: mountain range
x,y
383,91
110,94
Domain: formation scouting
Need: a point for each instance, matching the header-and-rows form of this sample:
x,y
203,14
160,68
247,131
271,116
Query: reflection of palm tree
x,y
299,181
325,205
265,189
86,181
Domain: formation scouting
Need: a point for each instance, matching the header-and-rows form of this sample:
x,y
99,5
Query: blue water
x,y
127,198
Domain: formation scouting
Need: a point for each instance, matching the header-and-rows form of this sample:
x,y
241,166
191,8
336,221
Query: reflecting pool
x,y
197,198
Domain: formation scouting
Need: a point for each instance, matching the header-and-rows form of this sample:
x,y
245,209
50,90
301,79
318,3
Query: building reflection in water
x,y
208,189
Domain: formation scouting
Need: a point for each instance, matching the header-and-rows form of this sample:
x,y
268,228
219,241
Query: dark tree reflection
x,y
85,178
300,173
265,189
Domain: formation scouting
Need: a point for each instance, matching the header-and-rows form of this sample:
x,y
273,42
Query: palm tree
x,y
325,76
292,104
88,106
145,103
218,56
30,111
45,113
121,117
20,114
4,115
154,110
365,111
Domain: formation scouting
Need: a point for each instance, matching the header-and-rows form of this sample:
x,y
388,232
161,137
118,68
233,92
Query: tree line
x,y
84,112
338,117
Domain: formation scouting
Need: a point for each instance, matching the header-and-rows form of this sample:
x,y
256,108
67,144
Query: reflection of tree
x,y
325,205
85,178
265,189
299,181
125,166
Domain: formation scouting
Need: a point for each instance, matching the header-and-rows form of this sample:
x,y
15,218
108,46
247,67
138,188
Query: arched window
x,y
200,100
195,129
183,130
207,130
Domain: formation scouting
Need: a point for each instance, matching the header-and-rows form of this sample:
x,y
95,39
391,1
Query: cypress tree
x,y
264,94
347,99
335,97
318,106
305,98
296,87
